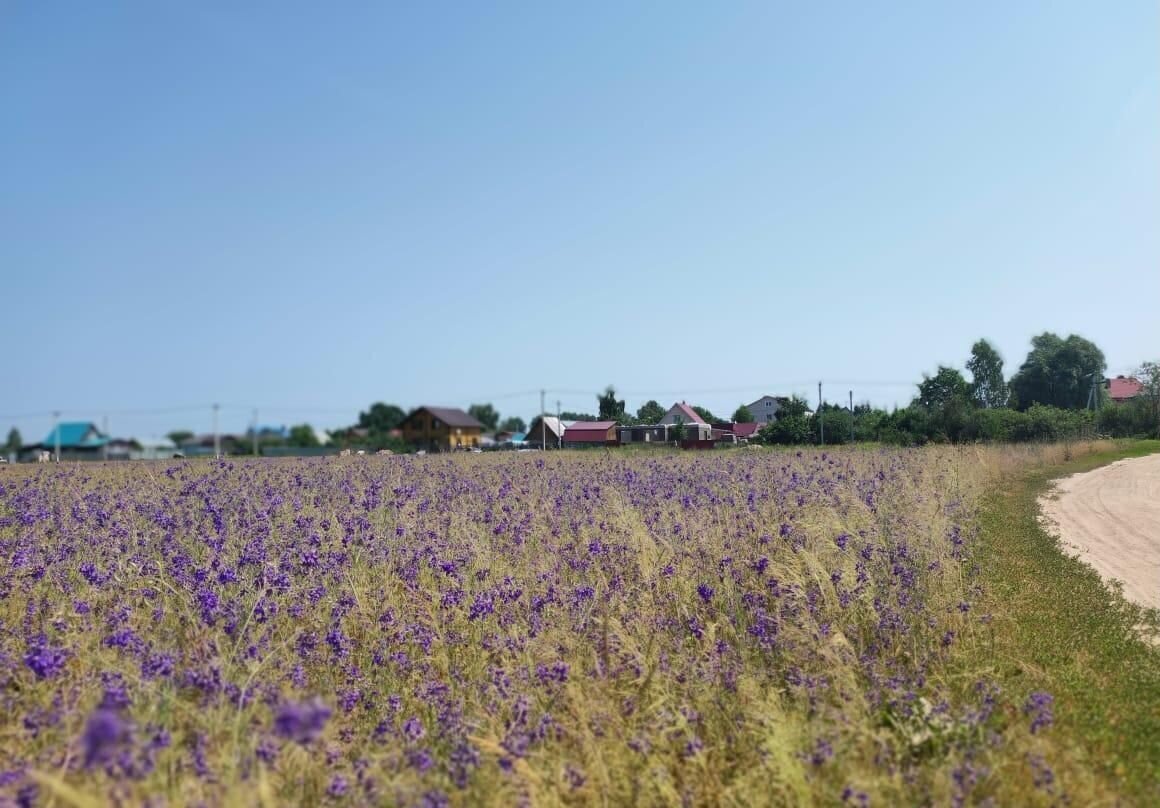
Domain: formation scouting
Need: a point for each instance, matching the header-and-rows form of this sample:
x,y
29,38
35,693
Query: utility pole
x,y
254,432
56,433
851,417
217,442
543,426
105,432
821,418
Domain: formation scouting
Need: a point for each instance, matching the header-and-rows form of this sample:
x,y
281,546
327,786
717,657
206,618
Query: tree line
x,y
1058,392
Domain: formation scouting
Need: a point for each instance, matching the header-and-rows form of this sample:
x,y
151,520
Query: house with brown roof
x,y
441,429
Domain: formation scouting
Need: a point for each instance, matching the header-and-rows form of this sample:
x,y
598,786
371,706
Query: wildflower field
x,y
720,628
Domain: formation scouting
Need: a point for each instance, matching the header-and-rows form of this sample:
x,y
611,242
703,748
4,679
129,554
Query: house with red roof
x,y
1124,388
590,433
681,413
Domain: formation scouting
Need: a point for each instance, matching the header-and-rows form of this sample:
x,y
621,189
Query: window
x,y
768,403
434,423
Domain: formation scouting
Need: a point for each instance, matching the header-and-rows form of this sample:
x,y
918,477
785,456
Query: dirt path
x,y
1110,518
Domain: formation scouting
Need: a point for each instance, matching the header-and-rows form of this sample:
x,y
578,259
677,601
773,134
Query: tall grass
x,y
744,628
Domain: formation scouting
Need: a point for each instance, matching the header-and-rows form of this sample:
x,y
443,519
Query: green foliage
x,y
945,387
513,424
678,430
742,415
485,414
577,416
1058,372
651,412
14,442
610,408
381,417
988,388
302,435
179,436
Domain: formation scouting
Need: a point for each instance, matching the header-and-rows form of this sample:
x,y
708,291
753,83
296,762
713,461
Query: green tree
x,y
988,388
610,408
946,386
678,430
577,416
1059,372
513,424
14,442
651,412
792,426
302,435
179,436
381,417
1148,374
485,414
706,416
742,415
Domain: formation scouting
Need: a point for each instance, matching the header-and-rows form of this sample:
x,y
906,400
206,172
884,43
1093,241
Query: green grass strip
x,y
1060,629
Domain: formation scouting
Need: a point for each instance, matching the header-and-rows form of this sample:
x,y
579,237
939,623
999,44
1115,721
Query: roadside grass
x,y
1058,628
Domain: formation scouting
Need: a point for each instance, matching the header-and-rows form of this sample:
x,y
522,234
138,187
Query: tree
x,y
678,429
1059,372
742,415
1148,374
792,425
650,412
14,442
706,416
945,387
577,416
610,408
381,417
988,389
485,414
302,435
513,424
179,436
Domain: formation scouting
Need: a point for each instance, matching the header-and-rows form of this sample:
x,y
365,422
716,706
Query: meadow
x,y
748,627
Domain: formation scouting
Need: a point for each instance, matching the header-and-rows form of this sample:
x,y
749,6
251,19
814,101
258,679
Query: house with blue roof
x,y
79,440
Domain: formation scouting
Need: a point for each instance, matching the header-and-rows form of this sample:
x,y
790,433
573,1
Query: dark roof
x,y
745,430
452,416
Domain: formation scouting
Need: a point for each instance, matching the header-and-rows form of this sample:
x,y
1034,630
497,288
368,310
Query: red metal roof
x,y
1124,387
745,430
689,413
588,431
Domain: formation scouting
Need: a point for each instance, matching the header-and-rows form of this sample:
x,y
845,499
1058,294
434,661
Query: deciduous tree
x,y
651,412
513,424
742,415
485,414
1058,372
988,388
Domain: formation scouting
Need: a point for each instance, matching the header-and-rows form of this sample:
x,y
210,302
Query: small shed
x,y
590,433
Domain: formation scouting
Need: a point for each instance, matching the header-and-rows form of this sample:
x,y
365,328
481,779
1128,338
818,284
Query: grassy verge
x,y
1059,628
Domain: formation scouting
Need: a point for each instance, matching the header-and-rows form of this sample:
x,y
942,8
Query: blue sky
x,y
304,209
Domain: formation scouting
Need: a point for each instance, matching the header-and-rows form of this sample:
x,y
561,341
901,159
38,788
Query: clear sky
x,y
308,207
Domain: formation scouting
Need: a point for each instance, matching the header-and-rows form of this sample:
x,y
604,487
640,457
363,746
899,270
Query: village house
x,y
765,409
550,431
1123,389
441,429
77,440
590,433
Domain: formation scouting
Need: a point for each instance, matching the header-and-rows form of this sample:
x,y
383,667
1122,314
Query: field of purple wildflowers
x,y
730,628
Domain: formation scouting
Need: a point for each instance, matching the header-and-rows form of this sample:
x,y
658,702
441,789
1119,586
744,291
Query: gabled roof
x,y
554,425
746,430
76,434
687,412
1124,387
588,427
452,416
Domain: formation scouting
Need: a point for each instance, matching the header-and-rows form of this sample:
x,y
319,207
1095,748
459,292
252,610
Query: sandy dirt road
x,y
1110,518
